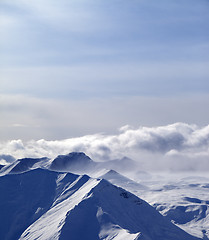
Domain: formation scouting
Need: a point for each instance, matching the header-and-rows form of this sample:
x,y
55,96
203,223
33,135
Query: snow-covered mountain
x,y
41,198
24,165
44,204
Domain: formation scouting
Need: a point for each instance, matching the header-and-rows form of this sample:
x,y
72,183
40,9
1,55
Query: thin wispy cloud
x,y
110,79
53,118
76,31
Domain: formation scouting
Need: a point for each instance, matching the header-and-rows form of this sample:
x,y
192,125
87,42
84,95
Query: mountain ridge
x,y
53,205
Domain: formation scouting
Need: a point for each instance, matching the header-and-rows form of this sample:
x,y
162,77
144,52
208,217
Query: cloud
x,y
5,159
178,146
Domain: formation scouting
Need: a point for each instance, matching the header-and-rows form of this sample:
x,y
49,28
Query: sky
x,y
74,68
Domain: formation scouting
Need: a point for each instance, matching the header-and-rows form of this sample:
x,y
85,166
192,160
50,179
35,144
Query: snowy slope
x,y
23,198
183,198
43,204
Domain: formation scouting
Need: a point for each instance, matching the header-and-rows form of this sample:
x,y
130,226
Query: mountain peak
x,y
77,154
71,162
26,164
122,181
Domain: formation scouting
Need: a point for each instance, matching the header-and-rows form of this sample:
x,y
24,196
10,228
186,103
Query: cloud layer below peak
x,y
178,146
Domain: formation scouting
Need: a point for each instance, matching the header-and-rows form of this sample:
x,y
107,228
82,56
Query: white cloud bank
x,y
178,146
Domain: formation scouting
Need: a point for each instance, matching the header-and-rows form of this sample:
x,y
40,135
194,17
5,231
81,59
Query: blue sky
x,y
70,68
